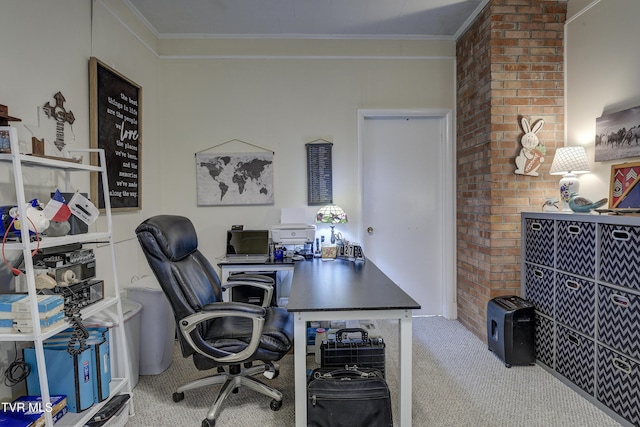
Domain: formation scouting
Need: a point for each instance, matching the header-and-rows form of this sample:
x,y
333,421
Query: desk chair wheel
x,y
177,397
275,405
208,423
271,371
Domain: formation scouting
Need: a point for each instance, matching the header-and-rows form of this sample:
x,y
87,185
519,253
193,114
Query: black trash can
x,y
511,330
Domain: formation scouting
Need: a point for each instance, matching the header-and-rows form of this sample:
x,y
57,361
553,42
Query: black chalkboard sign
x,y
115,112
319,174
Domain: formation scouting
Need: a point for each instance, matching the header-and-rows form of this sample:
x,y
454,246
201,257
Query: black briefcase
x,y
348,398
363,352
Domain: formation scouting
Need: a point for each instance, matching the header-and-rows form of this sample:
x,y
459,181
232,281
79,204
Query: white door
x,y
407,216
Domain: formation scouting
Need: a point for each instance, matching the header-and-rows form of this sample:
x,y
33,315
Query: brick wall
x,y
509,66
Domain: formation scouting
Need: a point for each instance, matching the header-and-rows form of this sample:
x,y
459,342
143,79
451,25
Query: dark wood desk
x,y
347,290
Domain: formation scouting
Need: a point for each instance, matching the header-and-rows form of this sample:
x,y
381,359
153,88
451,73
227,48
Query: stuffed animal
x,y
532,153
10,224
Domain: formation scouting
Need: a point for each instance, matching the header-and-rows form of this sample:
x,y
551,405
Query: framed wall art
x,y
319,172
115,110
624,190
618,135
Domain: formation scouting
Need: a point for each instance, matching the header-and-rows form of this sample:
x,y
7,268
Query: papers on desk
x,y
293,216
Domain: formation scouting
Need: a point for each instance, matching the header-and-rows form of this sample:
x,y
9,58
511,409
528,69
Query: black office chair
x,y
228,336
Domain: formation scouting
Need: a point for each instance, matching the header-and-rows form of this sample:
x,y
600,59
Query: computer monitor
x,y
247,242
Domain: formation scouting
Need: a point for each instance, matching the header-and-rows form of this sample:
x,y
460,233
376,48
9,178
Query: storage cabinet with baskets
x,y
110,301
582,273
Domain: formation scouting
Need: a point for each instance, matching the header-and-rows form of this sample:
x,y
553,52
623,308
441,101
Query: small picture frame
x,y
624,191
5,141
329,252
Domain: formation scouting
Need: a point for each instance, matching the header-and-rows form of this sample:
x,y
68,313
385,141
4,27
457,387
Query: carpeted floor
x,y
457,383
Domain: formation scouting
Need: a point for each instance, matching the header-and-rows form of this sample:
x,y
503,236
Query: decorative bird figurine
x,y
582,204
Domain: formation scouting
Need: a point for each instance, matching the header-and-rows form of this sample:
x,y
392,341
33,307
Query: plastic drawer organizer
x,y
582,276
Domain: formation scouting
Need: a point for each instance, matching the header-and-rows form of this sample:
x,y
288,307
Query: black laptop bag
x,y
348,398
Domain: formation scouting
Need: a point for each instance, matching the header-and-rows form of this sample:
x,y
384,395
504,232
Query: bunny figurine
x,y
532,153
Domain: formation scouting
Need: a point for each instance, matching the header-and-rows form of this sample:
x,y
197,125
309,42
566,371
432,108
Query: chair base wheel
x,y
275,405
177,397
208,423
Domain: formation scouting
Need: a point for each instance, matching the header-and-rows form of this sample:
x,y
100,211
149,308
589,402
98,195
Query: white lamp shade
x,y
570,160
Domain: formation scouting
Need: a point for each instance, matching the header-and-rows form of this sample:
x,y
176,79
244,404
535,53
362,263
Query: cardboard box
x,y
28,411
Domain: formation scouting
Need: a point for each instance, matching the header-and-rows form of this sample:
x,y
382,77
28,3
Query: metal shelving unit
x,y
117,385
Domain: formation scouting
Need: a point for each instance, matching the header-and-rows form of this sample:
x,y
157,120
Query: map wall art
x,y
234,178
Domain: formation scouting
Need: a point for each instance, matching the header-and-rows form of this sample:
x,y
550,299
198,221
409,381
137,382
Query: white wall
x,y
601,74
278,94
281,104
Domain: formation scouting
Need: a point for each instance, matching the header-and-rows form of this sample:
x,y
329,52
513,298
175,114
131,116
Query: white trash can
x,y
158,324
131,311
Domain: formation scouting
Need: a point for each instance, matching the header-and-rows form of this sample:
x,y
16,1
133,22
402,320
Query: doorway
x,y
408,202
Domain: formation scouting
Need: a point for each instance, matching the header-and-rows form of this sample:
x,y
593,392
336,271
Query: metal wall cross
x,y
61,116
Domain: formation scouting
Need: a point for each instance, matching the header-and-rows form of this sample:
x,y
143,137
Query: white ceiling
x,y
394,19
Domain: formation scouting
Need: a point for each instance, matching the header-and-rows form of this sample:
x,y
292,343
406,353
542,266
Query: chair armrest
x,y
267,287
251,278
189,328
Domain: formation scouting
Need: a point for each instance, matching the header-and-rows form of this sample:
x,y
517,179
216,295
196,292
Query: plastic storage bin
x,y
158,324
131,311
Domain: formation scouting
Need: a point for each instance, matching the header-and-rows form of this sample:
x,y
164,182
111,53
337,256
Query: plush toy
x,y
10,224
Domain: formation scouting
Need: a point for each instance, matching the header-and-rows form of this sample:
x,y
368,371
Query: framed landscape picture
x,y
618,135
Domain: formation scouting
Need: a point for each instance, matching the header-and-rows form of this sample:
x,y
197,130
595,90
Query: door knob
x,y
369,230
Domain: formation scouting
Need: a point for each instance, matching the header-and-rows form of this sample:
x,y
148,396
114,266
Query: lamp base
x,y
569,184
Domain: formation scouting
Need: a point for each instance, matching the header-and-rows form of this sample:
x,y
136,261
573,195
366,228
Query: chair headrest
x,y
175,235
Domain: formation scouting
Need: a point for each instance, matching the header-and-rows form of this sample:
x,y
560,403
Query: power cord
x,y
80,332
17,371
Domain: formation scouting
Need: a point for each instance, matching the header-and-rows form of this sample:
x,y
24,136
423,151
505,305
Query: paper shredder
x,y
511,330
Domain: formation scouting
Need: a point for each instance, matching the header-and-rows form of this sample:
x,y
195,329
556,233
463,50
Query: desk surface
x,y
343,285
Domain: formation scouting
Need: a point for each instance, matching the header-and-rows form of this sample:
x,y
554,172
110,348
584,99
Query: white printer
x,y
293,234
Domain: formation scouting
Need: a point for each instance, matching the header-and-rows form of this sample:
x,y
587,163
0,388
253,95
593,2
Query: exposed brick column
x,y
509,65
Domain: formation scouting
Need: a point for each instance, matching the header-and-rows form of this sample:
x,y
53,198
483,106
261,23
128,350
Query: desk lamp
x,y
568,162
331,214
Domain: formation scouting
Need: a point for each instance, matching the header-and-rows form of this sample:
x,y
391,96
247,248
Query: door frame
x,y
448,205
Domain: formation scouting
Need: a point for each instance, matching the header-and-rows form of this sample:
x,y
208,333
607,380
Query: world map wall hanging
x,y
234,178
